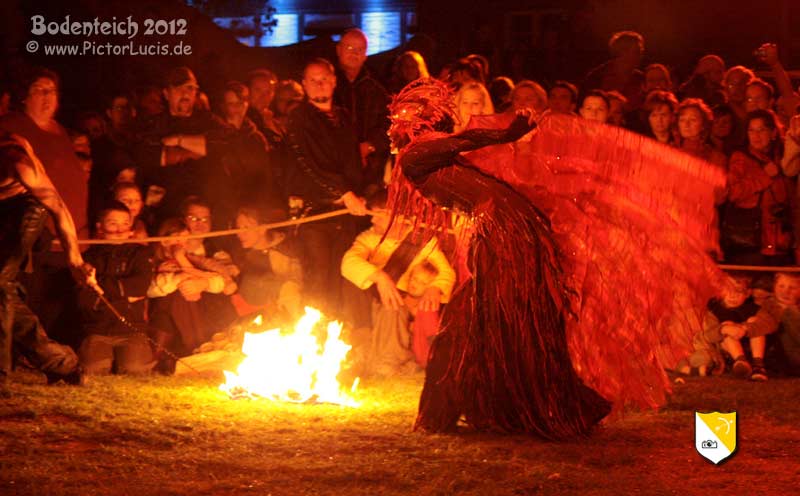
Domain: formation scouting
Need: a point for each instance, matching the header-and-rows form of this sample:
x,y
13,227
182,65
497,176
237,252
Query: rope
x,y
214,234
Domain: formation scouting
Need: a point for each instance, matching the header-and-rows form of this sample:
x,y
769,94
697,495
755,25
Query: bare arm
x,y
32,175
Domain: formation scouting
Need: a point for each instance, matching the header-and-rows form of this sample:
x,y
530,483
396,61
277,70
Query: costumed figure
x,y
579,245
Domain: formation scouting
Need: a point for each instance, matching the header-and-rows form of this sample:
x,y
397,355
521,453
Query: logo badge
x,y
715,435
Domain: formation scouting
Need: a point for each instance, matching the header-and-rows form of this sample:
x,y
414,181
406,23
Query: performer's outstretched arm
x,y
428,156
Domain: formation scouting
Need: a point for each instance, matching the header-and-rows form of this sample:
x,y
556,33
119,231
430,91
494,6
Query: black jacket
x,y
124,272
326,162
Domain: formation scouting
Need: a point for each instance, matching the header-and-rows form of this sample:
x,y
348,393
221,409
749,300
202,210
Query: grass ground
x,y
177,436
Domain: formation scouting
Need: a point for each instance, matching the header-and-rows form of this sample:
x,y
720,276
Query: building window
x,y
382,29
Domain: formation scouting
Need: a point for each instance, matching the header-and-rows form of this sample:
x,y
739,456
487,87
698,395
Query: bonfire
x,y
300,366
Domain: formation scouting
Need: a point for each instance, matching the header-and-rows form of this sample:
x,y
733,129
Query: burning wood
x,y
294,366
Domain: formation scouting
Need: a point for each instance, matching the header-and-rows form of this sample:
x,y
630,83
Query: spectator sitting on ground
x,y
271,274
383,258
180,314
124,272
725,317
779,314
129,195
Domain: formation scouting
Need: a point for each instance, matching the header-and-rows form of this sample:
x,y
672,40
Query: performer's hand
x,y
85,274
387,289
523,124
355,204
431,299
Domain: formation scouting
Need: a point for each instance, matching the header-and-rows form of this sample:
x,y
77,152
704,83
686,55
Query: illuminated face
x,y
722,127
661,119
735,86
198,219
560,101
115,225
759,135
42,99
262,91
319,83
787,289
594,108
248,239
235,108
132,199
690,123
181,99
656,79
756,98
352,51
419,280
471,103
734,294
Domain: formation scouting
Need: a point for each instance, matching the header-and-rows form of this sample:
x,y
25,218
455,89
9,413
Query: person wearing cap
x,y
177,149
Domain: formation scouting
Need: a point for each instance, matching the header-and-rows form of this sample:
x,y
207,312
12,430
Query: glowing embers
x,y
296,367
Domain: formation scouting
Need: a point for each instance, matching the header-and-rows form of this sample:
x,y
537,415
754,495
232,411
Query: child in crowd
x,y
180,312
124,272
780,314
424,322
129,194
725,317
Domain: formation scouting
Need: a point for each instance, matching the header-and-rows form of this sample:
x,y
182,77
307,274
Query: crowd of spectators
x,y
168,160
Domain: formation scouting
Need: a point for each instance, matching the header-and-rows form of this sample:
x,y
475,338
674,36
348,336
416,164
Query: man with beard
x,y
326,173
367,103
26,197
178,149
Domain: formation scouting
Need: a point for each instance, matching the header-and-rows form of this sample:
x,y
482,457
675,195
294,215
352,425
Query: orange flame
x,y
293,367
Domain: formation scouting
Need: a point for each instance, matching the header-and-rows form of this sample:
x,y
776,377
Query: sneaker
x,y
75,378
759,374
741,369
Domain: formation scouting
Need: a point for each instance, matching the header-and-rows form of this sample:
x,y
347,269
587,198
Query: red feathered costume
x,y
587,249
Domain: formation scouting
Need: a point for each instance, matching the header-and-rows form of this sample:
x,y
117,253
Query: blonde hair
x,y
488,107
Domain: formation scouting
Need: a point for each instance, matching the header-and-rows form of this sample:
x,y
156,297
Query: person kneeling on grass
x,y
779,314
725,317
124,272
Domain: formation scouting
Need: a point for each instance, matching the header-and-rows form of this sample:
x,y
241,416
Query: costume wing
x,y
635,221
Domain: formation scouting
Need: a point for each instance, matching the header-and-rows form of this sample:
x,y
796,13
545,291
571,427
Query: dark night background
x,y
543,40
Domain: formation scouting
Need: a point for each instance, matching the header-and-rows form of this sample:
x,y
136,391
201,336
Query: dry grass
x,y
168,436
